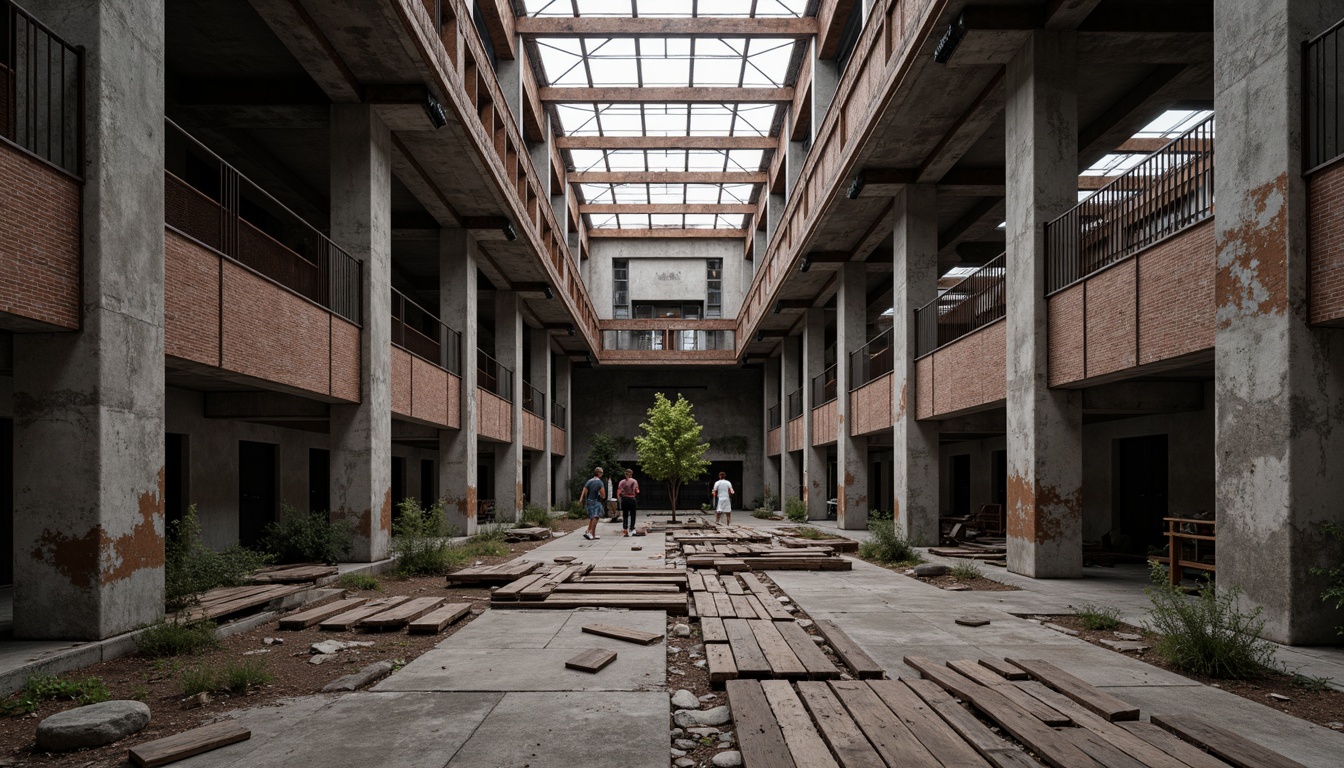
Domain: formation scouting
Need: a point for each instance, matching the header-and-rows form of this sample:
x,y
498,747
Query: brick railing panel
x,y
534,432
557,441
968,374
494,416
190,301
870,407
401,382
271,334
825,428
772,439
1325,201
795,434
429,387
1066,333
1111,323
39,244
1177,306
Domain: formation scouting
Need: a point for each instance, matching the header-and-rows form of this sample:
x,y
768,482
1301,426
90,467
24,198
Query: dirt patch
x,y
1322,707
955,584
158,682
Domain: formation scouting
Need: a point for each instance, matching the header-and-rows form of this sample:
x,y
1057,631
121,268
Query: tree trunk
x,y
672,493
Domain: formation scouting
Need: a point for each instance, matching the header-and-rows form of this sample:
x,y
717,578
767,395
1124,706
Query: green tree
x,y
603,451
670,449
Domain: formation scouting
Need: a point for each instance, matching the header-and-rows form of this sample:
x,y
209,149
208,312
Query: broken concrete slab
x,y
366,676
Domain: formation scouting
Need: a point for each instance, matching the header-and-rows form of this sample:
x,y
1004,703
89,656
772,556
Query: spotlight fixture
x,y
950,40
434,109
589,357
779,306
760,335
855,187
511,234
547,292
805,264
570,330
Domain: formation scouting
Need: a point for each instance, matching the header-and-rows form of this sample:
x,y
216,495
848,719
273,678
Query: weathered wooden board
x,y
400,615
806,746
854,657
838,728
622,633
435,621
933,732
1235,749
720,661
344,621
592,660
887,733
784,663
751,662
818,666
180,746
711,630
759,737
1095,699
308,618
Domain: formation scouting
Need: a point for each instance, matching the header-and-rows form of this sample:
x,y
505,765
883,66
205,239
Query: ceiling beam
x,y
666,142
650,26
670,95
667,208
831,16
661,177
978,118
718,234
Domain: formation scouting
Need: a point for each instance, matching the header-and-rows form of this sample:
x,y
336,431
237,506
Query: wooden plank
x,y
308,618
818,666
805,743
513,589
673,604
696,582
838,728
759,737
622,633
769,608
344,621
1004,669
1097,748
1126,742
493,574
1235,749
725,606
992,747
889,736
591,660
294,574
180,746
722,666
849,652
937,736
711,630
403,614
1026,702
784,663
677,581
754,584
743,608
245,600
1188,754
1104,704
730,565
705,605
733,586
583,586
435,621
751,662
713,584
639,573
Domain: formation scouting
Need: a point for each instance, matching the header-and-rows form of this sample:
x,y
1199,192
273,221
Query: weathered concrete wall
x,y
668,270
459,306
616,401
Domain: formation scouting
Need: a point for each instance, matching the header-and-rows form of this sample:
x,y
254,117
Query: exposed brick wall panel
x,y
772,442
494,416
824,427
1065,324
557,441
429,392
1110,323
345,360
454,416
401,382
190,301
1325,195
274,335
534,432
795,434
970,372
1176,299
870,407
39,241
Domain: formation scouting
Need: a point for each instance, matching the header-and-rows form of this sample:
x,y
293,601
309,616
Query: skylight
x,y
667,8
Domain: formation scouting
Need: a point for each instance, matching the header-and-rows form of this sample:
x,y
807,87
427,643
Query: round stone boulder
x,y
929,570
91,726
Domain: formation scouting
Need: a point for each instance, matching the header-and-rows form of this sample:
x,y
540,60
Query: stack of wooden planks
x,y
759,557
991,551
226,601
293,574
583,586
837,544
485,575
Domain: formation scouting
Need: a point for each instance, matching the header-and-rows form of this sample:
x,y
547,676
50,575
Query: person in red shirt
x,y
627,491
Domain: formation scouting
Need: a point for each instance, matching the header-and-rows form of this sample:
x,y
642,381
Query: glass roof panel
x,y
666,8
666,220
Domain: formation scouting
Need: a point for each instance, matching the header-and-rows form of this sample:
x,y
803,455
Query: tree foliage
x,y
670,448
603,451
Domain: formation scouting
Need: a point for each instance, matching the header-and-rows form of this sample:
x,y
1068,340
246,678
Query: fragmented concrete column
x,y
851,491
361,223
914,284
563,377
816,489
88,406
540,480
1279,389
1045,534
457,447
509,456
791,462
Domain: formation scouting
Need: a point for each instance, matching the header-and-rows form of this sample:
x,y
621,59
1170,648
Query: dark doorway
x,y
398,482
256,490
1141,490
319,480
653,494
527,480
174,478
427,495
1000,459
6,502
960,497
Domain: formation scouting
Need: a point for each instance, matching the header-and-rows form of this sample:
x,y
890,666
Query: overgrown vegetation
x,y
536,517
762,513
767,502
421,539
1334,591
359,582
191,568
887,547
233,677
810,533
1207,635
177,638
1098,617
795,509
968,571
312,537
575,511
603,451
40,688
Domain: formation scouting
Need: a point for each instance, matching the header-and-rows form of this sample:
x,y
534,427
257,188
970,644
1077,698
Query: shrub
x,y
362,582
795,509
808,532
177,638
234,677
576,511
307,538
967,572
191,568
40,688
1207,635
1098,617
762,513
886,546
421,539
1334,592
536,517
880,515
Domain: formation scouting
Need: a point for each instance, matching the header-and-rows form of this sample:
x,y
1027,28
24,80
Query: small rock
x,y
846,676
564,559
956,588
784,600
1058,628
199,700
366,676
272,641
726,740
818,640
336,646
254,653
684,699
730,759
700,664
703,732
804,623
709,697
91,726
675,671
677,733
686,744
716,716
791,608
1124,646
971,621
320,659
1336,725
825,648
683,762
1128,636
678,753
930,570
681,630
636,548
1279,697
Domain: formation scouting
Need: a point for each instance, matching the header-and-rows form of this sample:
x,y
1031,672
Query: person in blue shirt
x,y
594,491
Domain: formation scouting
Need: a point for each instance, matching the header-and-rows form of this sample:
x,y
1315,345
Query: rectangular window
x,y
620,288
714,295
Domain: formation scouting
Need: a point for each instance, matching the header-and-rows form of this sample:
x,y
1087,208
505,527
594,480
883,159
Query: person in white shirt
x,y
723,499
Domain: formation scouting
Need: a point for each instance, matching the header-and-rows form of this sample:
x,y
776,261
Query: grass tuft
x,y
40,688
887,547
1098,617
1207,635
177,638
359,582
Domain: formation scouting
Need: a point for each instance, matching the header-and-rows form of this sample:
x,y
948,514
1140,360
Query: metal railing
x,y
870,361
1322,107
669,340
209,201
795,403
773,416
493,376
41,90
558,414
415,330
823,387
534,400
1168,191
972,303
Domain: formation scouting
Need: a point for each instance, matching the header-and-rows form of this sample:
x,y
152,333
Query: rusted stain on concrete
x,y
900,401
1038,514
97,558
518,496
385,518
471,502
26,406
74,557
1252,276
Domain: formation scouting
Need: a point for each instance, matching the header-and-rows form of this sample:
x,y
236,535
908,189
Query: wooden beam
x,y
666,142
669,232
673,95
499,22
673,208
654,27
660,177
831,16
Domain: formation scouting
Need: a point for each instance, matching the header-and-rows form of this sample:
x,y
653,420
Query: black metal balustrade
x,y
209,201
1322,107
1170,190
669,340
41,90
773,416
795,403
534,400
823,387
557,414
870,361
415,330
972,303
493,376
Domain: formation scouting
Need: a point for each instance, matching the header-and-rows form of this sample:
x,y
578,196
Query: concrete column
x,y
361,223
563,377
825,81
1278,383
791,464
774,213
769,398
88,406
851,491
457,447
815,492
509,456
540,480
1044,425
914,284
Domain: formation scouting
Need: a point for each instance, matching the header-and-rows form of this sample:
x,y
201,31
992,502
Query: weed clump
x,y
234,677
1098,617
795,509
967,572
808,532
191,568
177,638
536,517
1208,635
887,547
311,537
359,582
421,539
1334,591
40,688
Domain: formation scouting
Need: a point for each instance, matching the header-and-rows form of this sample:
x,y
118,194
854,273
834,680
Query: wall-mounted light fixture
x,y
547,292
855,187
570,331
510,233
805,264
951,38
434,109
